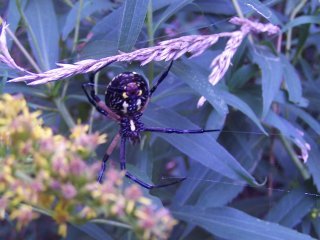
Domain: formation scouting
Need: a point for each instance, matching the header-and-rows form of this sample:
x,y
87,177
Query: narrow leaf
x,y
201,147
94,231
13,17
132,22
271,71
229,223
43,32
173,8
306,117
88,8
313,162
260,8
237,103
292,80
299,21
291,208
198,81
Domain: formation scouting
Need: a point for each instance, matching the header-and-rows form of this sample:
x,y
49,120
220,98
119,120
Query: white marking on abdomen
x,y
138,104
132,126
125,106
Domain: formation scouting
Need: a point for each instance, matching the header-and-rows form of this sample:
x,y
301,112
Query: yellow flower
x,y
88,213
62,231
78,131
130,206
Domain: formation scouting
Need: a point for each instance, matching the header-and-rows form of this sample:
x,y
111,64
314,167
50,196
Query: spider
x,y
126,97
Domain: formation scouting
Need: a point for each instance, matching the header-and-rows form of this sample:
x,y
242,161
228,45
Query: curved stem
x,y
24,51
76,30
112,223
304,172
151,38
93,109
241,15
294,13
32,35
64,112
237,8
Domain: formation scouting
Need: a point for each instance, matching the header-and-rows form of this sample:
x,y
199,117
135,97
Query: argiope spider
x,y
126,97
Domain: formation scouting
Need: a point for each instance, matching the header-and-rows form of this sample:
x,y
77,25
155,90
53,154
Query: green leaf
x,y
242,76
190,188
173,8
108,27
229,223
132,22
313,162
292,80
220,7
198,81
43,33
301,20
291,208
88,8
286,128
237,103
316,224
201,147
260,9
271,71
94,231
13,17
306,117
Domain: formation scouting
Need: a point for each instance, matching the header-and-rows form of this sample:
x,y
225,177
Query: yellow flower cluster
x,y
41,172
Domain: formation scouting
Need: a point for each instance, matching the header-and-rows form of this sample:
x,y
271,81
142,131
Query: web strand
x,y
241,184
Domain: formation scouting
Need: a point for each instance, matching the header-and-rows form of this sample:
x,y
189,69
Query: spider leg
x,y
162,77
134,178
178,131
94,99
106,156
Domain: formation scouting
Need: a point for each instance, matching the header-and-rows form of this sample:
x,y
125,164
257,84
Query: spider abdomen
x,y
131,128
127,94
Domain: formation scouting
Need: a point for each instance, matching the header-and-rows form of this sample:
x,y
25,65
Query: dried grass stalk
x,y
164,51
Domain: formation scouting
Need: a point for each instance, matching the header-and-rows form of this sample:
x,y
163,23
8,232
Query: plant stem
x,y
112,223
151,38
69,3
93,109
304,172
64,112
24,51
294,13
77,26
237,8
240,14
33,37
58,101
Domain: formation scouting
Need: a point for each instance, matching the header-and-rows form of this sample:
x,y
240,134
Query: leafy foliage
x,y
267,107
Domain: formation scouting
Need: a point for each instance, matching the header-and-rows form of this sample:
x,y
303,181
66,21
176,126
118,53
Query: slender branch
x,y
294,13
240,14
76,31
93,109
33,37
64,112
24,51
238,8
304,172
151,38
112,223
